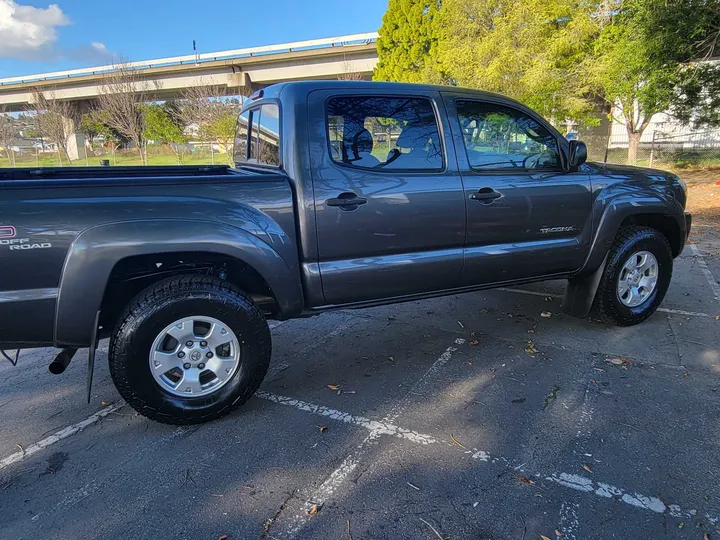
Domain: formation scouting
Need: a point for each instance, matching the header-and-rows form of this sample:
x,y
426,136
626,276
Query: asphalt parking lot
x,y
465,417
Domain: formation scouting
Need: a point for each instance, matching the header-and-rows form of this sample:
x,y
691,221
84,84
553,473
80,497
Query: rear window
x,y
257,137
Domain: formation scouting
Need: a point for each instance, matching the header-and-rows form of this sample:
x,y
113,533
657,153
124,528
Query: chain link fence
x,y
681,148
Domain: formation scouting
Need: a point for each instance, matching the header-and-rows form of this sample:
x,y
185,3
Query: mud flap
x,y
580,293
91,355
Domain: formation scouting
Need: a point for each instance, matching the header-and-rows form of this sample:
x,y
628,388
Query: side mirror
x,y
577,154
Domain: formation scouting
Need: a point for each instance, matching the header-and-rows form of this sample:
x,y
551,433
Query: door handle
x,y
346,201
486,195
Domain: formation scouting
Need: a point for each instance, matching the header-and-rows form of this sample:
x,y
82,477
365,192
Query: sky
x,y
39,36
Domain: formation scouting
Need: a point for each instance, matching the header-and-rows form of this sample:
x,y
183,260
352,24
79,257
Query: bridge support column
x,y
76,142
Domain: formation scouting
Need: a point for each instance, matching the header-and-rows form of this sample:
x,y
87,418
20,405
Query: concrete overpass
x,y
237,70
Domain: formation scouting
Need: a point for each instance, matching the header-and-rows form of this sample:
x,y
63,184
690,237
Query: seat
x,y
361,148
424,151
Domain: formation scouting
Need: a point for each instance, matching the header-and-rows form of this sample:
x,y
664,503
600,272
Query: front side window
x,y
498,137
384,133
257,139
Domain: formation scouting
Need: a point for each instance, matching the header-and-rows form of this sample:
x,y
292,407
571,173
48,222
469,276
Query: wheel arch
x,y
98,252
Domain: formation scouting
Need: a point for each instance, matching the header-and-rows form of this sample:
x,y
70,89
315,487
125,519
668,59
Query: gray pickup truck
x,y
345,195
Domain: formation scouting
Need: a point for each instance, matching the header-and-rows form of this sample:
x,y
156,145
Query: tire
x,y
153,312
630,241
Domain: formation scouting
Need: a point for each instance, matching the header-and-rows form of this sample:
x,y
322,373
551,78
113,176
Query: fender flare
x,y
582,288
97,250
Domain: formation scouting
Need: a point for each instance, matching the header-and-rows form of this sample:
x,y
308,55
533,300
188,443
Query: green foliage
x,y
95,123
160,126
406,46
645,62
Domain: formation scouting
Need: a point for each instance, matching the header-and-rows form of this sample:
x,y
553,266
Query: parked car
x,y
181,267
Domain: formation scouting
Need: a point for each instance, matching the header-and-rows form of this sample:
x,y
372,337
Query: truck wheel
x,y
636,277
189,349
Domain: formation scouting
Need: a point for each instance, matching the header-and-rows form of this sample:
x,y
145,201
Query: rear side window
x,y
384,133
257,138
498,137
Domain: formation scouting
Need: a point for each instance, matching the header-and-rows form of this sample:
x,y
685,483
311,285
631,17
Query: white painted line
x,y
59,435
385,427
572,481
569,521
705,270
661,309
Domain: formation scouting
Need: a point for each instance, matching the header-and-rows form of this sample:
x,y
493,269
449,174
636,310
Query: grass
x,y
155,157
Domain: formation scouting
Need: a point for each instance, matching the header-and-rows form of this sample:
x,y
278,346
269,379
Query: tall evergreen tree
x,y
407,42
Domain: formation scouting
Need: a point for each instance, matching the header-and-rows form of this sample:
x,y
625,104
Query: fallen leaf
x,y
314,509
587,468
681,525
391,358
717,317
530,349
333,387
224,537
104,403
322,429
544,537
622,362
455,441
559,533
686,373
526,480
474,342
546,314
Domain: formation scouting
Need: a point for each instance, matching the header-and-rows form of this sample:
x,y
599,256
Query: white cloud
x,y
30,33
27,32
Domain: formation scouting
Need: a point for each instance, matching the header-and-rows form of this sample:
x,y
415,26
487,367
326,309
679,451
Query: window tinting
x,y
241,138
261,143
384,133
498,137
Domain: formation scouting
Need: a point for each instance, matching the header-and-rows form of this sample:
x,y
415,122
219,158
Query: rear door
x,y
389,201
527,216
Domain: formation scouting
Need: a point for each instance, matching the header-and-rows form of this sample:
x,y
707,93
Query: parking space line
x,y
351,462
572,481
661,309
59,435
705,270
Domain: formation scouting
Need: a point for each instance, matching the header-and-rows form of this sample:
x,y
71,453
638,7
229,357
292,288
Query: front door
x,y
527,216
389,201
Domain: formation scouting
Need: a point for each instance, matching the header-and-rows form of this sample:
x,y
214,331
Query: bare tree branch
x,y
8,132
53,119
122,92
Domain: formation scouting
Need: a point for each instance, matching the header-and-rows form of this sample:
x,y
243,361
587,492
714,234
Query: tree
x,y
52,118
94,124
645,61
122,93
529,50
407,41
161,126
8,132
213,113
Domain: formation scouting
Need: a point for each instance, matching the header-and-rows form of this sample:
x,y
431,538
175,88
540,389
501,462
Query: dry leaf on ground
x,y
526,480
530,349
546,314
544,537
587,468
333,387
314,509
455,441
